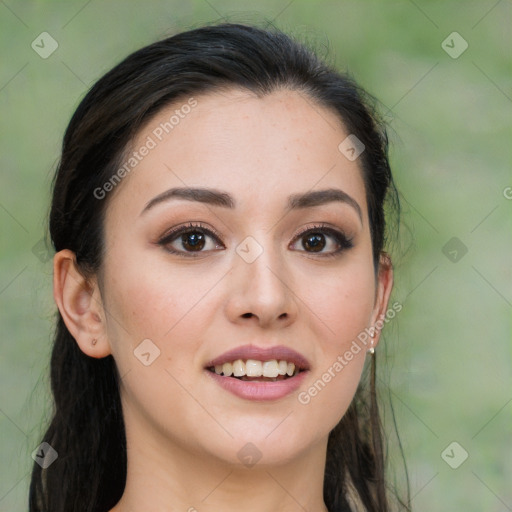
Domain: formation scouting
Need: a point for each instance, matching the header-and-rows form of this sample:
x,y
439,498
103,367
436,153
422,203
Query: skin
x,y
183,430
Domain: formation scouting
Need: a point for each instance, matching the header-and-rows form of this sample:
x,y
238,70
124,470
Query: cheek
x,y
342,305
342,309
147,299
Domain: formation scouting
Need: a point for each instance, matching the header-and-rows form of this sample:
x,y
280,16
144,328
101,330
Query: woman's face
x,y
243,276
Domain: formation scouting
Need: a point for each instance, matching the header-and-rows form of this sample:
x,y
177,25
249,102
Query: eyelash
x,y
343,241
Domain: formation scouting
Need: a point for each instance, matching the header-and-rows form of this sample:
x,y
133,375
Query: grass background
x,y
448,354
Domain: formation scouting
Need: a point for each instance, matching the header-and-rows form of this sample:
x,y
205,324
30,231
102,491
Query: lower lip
x,y
259,391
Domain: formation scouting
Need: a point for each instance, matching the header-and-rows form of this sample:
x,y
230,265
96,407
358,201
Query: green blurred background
x,y
448,357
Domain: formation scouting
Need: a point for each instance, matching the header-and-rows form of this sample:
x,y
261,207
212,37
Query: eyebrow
x,y
223,199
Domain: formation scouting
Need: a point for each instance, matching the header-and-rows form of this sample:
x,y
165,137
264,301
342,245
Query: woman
x,y
220,274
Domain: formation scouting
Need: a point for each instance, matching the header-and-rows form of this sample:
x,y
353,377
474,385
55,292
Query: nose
x,y
261,292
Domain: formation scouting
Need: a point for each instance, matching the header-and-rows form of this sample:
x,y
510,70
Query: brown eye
x,y
193,240
316,239
187,240
316,242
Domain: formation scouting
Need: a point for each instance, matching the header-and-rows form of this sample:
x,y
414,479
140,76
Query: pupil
x,y
315,242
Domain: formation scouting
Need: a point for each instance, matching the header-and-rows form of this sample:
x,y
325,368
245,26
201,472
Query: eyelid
x,y
321,226
176,230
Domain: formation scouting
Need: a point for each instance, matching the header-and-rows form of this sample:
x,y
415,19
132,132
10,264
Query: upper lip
x,y
279,352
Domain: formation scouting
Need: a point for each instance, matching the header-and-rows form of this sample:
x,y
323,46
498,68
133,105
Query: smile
x,y
259,373
252,369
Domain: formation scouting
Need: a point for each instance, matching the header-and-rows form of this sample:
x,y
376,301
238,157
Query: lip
x,y
279,352
259,391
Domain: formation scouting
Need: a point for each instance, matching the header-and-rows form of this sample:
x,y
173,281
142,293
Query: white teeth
x,y
254,368
227,369
238,368
270,368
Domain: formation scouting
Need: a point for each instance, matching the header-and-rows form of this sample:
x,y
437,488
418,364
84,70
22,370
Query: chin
x,y
262,449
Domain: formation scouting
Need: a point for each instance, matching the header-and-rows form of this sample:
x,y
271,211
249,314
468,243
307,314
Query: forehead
x,y
260,149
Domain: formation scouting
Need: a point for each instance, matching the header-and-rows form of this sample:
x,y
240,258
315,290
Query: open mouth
x,y
259,371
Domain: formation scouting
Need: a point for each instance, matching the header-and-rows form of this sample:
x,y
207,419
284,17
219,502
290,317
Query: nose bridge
x,y
264,260
261,278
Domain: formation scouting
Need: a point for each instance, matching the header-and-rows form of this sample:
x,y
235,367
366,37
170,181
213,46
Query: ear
x,y
384,287
80,304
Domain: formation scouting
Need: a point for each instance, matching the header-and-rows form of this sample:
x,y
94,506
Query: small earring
x,y
94,341
371,350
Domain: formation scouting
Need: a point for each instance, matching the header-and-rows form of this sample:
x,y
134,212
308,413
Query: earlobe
x,y
384,287
80,305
